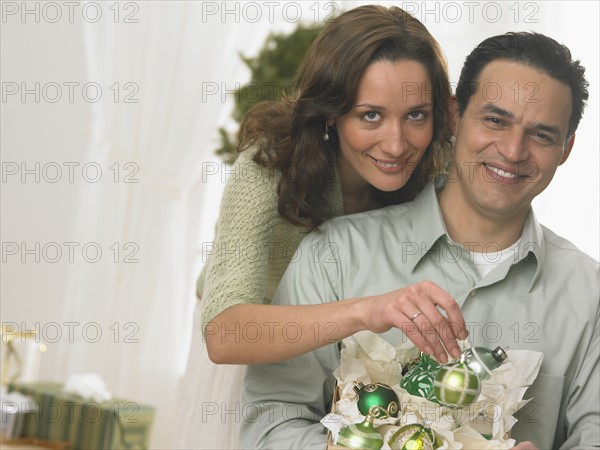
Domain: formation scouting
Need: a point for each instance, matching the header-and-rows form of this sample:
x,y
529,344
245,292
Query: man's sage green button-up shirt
x,y
545,298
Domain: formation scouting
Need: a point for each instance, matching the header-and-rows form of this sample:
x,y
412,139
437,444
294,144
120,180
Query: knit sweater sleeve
x,y
238,258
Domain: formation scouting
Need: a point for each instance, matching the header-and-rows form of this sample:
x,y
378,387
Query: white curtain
x,y
140,292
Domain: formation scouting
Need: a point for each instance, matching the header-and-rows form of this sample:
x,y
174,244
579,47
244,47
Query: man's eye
x,y
543,138
494,120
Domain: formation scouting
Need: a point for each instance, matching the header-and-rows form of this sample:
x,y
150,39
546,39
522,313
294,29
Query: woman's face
x,y
385,134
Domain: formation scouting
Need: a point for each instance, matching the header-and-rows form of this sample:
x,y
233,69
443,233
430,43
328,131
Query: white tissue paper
x,y
368,358
88,386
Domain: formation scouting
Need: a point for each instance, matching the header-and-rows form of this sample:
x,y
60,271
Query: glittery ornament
x,y
456,385
377,400
360,435
419,379
414,437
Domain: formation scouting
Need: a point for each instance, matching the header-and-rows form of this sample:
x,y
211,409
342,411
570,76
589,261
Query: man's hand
x,y
414,309
527,445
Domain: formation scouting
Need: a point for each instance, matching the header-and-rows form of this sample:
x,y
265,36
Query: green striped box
x,y
61,417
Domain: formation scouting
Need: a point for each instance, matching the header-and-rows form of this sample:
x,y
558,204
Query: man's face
x,y
510,139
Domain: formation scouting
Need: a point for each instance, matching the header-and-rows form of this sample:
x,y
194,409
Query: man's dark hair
x,y
535,50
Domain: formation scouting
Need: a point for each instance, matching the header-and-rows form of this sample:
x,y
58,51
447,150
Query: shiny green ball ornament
x,y
377,400
414,437
456,385
482,360
419,378
360,435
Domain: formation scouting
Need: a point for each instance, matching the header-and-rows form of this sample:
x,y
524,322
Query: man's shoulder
x,y
370,221
561,251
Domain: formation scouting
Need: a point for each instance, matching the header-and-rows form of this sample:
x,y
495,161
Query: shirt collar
x,y
428,227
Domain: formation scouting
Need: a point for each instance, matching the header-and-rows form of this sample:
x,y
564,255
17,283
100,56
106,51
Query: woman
x,y
368,128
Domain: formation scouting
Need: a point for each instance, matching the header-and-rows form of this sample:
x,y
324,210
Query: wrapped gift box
x,y
62,417
14,407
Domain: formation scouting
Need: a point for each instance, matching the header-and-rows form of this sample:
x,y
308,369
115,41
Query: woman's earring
x,y
326,134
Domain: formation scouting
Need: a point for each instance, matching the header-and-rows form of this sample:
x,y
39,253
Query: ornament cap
x,y
500,354
358,385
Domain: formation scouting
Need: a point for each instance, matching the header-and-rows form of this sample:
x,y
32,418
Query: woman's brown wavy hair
x,y
289,132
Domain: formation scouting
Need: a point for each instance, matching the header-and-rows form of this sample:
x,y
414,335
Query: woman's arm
x,y
236,270
261,334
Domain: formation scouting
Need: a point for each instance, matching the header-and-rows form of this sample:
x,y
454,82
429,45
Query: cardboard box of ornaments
x,y
465,417
330,444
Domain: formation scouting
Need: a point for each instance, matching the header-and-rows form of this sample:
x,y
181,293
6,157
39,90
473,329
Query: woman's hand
x,y
414,309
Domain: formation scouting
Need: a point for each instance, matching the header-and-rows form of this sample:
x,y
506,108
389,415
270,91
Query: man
x,y
519,101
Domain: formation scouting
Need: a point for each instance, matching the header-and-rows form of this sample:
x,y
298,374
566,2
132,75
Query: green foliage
x,y
272,72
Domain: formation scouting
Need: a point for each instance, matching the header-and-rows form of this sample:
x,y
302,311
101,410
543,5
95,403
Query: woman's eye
x,y
371,116
417,115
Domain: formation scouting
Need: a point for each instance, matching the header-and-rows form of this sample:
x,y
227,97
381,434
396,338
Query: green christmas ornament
x,y
414,437
455,385
483,425
360,435
377,400
419,379
411,364
480,358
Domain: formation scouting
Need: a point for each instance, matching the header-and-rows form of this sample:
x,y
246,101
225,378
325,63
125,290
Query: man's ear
x,y
568,149
453,108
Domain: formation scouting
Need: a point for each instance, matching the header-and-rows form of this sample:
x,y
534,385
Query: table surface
x,y
12,445
21,447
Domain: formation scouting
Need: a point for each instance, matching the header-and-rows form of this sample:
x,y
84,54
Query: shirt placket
x,y
459,273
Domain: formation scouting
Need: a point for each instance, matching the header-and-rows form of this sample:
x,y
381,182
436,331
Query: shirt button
x,y
473,293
